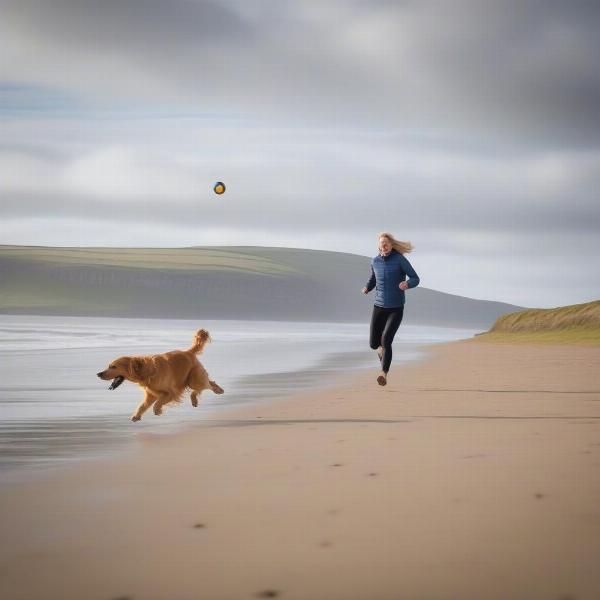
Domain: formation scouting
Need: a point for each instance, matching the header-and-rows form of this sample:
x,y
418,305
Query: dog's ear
x,y
136,368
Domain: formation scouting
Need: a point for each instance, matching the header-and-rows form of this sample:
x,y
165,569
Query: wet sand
x,y
473,474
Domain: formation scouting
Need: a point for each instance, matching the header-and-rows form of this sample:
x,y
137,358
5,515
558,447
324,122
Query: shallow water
x,y
53,408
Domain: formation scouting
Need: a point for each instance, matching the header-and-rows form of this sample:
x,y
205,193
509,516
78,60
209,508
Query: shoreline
x,y
41,444
474,473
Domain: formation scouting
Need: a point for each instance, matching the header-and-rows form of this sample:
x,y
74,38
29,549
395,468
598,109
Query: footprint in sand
x,y
539,495
373,474
337,465
199,526
325,544
268,594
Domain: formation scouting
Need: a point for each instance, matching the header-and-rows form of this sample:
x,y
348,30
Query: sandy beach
x,y
473,474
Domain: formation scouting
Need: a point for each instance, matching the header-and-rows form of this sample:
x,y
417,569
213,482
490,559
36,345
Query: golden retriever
x,y
163,377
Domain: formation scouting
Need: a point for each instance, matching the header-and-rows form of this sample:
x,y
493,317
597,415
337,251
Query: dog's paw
x,y
158,411
136,418
216,388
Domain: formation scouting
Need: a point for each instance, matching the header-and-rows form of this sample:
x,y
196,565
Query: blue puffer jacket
x,y
386,274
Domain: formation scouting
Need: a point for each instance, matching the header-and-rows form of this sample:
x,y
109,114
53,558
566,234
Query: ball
x,y
219,187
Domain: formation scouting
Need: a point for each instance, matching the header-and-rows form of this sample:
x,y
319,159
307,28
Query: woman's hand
x,y
403,285
365,290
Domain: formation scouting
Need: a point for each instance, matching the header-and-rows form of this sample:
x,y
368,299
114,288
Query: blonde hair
x,y
402,247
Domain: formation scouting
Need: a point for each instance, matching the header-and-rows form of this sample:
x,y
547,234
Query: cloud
x,y
512,70
303,180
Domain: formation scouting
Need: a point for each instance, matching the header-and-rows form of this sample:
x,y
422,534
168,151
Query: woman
x,y
389,270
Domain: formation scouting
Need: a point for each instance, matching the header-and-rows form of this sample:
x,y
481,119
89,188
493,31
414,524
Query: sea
x,y
54,410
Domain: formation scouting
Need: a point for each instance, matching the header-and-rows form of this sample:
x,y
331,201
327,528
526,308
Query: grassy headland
x,y
214,283
574,324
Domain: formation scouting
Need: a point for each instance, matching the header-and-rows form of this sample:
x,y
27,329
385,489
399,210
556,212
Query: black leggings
x,y
384,324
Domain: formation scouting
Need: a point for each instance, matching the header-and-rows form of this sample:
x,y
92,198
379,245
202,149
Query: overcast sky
x,y
470,127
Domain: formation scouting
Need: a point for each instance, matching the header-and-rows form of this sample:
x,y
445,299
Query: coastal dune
x,y
574,324
473,474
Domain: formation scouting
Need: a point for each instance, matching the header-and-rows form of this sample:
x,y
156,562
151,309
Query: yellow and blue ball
x,y
219,188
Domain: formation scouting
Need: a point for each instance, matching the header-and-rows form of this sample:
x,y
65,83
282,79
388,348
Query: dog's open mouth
x,y
116,382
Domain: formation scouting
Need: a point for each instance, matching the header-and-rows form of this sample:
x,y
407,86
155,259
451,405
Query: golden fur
x,y
164,377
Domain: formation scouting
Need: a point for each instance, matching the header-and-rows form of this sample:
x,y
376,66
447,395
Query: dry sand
x,y
473,475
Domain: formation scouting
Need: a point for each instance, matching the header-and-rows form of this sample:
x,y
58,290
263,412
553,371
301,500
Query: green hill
x,y
213,283
578,323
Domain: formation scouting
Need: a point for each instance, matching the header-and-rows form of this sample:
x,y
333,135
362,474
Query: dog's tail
x,y
201,338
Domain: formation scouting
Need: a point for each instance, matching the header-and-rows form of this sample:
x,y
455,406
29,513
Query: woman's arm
x,y
371,283
413,278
